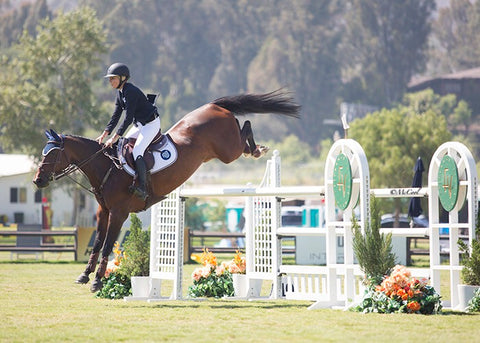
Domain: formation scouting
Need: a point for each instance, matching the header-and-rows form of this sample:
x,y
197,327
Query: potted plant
x,y
471,268
210,280
399,292
116,285
390,288
237,268
136,262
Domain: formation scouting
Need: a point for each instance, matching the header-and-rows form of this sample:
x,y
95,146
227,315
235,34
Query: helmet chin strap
x,y
123,79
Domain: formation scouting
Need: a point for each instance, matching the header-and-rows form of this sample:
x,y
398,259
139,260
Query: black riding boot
x,y
140,190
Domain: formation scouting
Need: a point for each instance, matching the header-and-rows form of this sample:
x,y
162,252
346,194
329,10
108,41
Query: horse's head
x,y
54,160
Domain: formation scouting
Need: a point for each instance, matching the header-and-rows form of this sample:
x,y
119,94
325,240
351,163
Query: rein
x,y
74,167
71,168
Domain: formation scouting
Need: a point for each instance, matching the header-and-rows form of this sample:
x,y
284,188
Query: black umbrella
x,y
415,208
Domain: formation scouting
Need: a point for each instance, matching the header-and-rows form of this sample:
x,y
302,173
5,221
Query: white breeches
x,y
144,135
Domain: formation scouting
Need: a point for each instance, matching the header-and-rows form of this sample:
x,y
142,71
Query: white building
x,y
21,201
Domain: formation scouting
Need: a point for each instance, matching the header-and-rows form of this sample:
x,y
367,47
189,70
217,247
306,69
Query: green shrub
x,y
137,250
471,260
474,303
372,249
213,285
115,286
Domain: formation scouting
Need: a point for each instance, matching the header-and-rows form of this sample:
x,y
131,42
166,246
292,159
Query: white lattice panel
x,y
166,243
262,234
263,216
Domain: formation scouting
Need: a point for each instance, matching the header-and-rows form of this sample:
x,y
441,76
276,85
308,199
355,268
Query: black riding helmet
x,y
118,69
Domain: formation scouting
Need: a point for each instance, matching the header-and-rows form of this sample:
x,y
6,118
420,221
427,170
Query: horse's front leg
x,y
115,221
102,223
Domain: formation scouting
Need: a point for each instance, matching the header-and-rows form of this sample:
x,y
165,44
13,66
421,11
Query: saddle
x,y
125,146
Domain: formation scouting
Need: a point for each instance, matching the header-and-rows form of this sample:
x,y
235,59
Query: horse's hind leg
x,y
102,222
251,148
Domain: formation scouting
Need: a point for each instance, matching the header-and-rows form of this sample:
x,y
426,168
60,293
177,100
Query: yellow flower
x,y
208,258
196,257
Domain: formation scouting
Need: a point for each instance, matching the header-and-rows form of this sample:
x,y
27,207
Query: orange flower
x,y
413,306
107,272
118,254
208,258
240,263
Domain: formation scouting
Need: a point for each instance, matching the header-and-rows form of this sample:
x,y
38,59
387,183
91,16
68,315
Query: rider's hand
x,y
112,140
100,138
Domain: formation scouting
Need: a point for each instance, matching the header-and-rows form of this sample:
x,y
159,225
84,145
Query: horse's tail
x,y
278,102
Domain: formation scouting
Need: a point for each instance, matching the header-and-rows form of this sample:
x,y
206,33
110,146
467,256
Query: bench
x,y
30,239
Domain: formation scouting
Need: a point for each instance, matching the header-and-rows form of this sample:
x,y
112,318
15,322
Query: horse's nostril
x,y
40,182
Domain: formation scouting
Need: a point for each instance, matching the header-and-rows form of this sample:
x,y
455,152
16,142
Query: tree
x,y
194,217
25,17
292,150
299,53
455,40
49,82
239,31
462,115
384,44
394,138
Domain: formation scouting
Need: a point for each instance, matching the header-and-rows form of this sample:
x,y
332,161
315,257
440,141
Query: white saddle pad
x,y
163,158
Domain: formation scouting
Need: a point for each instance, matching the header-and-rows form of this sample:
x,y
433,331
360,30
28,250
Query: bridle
x,y
71,167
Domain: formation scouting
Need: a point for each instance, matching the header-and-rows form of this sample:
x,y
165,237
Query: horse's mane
x,y
82,138
88,141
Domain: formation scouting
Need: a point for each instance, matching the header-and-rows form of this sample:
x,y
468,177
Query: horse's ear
x,y
55,136
49,135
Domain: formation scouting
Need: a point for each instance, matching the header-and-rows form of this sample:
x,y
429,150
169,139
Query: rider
x,y
140,111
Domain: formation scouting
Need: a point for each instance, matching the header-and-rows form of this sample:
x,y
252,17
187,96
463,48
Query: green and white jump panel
x,y
452,180
347,185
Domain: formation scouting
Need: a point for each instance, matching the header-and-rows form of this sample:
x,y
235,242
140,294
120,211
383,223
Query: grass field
x,y
39,302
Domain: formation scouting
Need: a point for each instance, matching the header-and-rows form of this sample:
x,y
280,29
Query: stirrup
x,y
139,193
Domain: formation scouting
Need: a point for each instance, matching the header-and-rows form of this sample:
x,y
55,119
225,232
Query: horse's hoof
x,y
97,285
83,278
260,151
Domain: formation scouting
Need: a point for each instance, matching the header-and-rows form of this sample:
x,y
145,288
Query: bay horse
x,y
210,131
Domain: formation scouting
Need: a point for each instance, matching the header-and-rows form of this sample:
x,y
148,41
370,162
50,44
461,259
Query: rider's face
x,y
114,81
